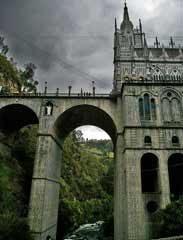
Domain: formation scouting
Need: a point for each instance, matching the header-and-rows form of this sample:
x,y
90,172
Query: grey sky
x,y
80,33
55,34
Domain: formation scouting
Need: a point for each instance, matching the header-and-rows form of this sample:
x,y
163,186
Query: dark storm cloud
x,y
79,32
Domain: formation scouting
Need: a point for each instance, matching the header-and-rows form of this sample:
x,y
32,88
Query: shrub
x,y
170,219
13,228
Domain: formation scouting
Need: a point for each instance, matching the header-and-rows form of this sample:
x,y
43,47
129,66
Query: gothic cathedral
x,y
149,83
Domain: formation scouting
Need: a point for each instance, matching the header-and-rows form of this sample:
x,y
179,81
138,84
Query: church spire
x,y
126,15
126,23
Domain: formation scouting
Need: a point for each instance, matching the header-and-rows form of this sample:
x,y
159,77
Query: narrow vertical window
x,y
147,107
175,109
167,116
141,108
153,109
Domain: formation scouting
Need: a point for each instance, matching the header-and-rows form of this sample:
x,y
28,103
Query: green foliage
x,y
10,184
8,73
170,219
28,84
16,169
13,228
15,182
24,151
14,79
85,171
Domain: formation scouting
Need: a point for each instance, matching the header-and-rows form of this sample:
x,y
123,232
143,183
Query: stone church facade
x,y
150,83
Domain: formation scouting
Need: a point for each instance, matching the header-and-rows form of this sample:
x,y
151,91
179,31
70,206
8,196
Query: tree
x,y
13,79
28,84
16,170
83,198
170,219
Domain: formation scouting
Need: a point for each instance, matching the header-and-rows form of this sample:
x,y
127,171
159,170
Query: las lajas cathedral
x,y
149,81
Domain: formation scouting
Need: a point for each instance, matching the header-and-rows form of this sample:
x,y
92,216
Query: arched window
x,y
147,140
149,173
158,74
48,109
175,75
175,169
175,140
147,108
171,107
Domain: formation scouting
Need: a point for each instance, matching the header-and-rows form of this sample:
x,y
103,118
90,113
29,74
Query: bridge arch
x,y
84,115
44,200
15,116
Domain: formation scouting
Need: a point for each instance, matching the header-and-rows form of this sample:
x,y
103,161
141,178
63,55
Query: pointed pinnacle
x,y
115,24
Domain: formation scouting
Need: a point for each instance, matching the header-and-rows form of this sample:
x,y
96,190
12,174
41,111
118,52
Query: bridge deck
x,y
53,95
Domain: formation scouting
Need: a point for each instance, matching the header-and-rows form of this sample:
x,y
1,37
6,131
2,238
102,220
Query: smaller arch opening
x,y
48,111
152,206
149,173
175,140
147,140
175,169
48,237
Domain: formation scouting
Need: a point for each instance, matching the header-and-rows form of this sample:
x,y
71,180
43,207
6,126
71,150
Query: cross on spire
x,y
172,43
157,43
126,15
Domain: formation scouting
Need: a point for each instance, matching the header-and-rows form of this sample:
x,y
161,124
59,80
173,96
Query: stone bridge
x,y
57,116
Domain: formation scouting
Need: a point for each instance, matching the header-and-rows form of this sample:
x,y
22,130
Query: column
x,y
135,218
44,198
119,192
164,179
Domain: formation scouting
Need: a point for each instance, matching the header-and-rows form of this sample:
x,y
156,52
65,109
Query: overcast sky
x,y
71,41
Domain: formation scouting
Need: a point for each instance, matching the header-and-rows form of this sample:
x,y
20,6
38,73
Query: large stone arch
x,y
84,115
45,184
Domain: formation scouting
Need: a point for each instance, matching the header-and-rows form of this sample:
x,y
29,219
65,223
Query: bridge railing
x,y
38,94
